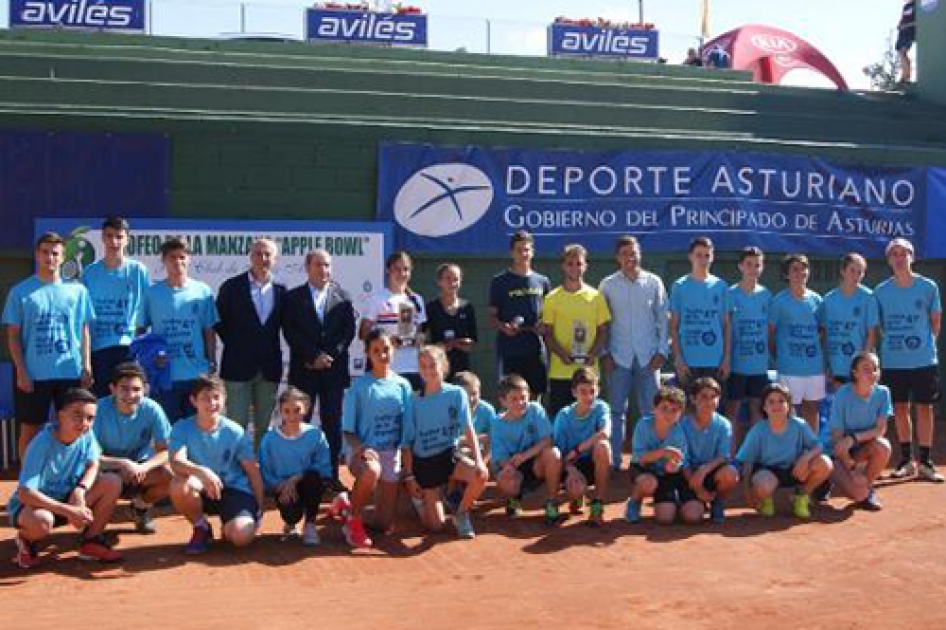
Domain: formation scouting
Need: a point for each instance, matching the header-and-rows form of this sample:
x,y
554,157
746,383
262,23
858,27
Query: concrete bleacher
x,y
568,101
291,130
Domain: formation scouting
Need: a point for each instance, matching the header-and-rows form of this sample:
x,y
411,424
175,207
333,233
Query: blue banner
x,y
936,216
105,15
469,199
366,27
607,43
66,174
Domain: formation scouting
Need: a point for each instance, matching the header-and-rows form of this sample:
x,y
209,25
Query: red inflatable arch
x,y
770,53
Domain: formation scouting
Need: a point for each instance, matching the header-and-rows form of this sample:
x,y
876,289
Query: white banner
x,y
221,249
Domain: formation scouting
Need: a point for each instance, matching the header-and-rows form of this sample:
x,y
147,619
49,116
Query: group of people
x,y
143,412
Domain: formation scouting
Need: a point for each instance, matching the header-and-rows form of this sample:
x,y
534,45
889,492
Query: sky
x,y
851,33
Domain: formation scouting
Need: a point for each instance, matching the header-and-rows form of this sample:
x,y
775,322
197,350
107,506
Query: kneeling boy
x,y
215,471
523,454
710,477
582,434
60,484
133,433
782,451
658,455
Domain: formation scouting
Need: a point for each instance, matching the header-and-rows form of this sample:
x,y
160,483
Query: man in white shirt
x,y
638,341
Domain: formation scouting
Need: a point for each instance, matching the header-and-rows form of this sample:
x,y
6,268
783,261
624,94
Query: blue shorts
x,y
232,504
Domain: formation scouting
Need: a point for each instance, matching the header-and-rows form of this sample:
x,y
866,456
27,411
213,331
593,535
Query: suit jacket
x,y
308,337
249,347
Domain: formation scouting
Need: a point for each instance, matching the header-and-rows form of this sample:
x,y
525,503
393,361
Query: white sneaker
x,y
310,535
928,472
905,469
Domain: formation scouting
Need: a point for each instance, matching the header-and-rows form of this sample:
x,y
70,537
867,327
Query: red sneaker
x,y
26,555
354,531
99,550
340,507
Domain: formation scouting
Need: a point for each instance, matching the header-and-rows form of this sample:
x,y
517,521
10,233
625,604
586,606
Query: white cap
x,y
899,242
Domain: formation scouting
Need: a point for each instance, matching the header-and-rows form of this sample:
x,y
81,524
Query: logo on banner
x,y
78,254
97,14
774,43
356,26
592,41
443,199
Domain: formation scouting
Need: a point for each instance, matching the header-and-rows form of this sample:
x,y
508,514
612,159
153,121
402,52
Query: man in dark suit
x,y
318,321
250,307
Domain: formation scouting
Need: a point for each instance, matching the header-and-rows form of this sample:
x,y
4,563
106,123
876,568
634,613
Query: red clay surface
x,y
844,569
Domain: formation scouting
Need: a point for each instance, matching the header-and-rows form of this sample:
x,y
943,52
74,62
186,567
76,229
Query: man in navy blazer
x,y
250,307
318,322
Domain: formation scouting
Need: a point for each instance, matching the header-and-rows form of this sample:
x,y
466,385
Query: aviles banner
x,y
106,15
366,27
574,40
221,249
469,199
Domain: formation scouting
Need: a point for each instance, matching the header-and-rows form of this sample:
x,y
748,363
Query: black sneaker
x,y
871,503
822,493
142,520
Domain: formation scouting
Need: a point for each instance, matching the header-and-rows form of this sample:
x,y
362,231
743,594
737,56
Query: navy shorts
x,y
529,481
905,38
232,504
434,471
917,385
709,484
33,407
532,368
784,475
586,466
671,487
742,386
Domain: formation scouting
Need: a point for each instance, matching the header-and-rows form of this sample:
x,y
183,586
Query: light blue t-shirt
x,y
375,410
221,450
52,467
51,316
705,445
764,447
510,437
117,296
439,421
797,343
852,414
181,315
570,430
847,320
749,323
906,338
483,417
646,440
130,437
701,309
281,457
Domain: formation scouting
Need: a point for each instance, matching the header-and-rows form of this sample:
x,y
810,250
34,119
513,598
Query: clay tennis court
x,y
844,569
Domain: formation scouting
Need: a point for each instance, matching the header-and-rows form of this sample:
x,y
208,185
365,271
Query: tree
x,y
884,74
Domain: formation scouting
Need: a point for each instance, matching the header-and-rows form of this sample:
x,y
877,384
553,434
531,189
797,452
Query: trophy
x,y
406,330
579,349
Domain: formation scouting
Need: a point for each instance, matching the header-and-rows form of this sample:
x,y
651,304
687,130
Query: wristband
x,y
408,477
83,486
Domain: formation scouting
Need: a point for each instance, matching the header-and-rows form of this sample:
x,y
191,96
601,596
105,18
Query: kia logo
x,y
774,43
443,199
